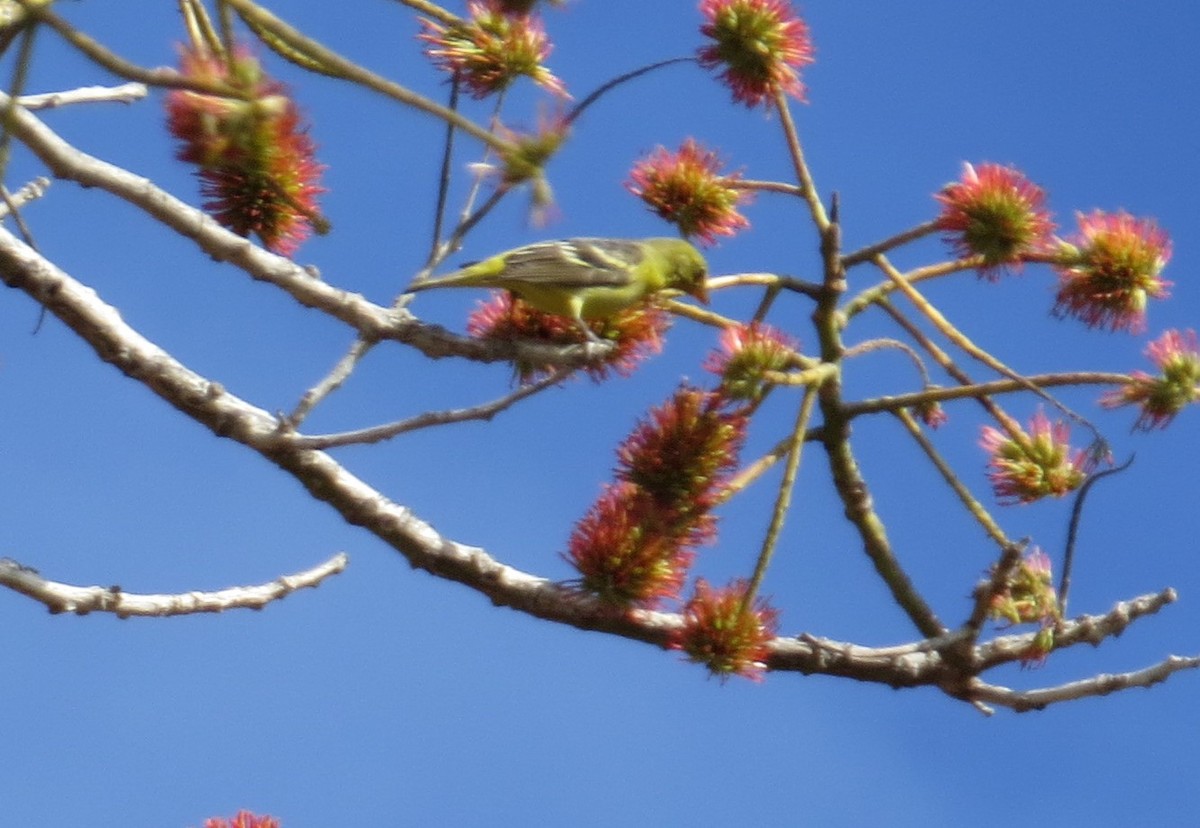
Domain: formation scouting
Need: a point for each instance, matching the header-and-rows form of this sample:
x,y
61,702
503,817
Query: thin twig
x,y
60,597
376,434
970,503
465,221
895,402
15,88
330,382
803,174
697,314
962,341
32,191
1023,701
885,343
870,251
1064,585
439,210
125,93
753,471
595,95
810,289
199,27
163,76
783,499
994,410
877,293
433,10
753,185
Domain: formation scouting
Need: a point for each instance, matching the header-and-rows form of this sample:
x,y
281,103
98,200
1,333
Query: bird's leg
x,y
588,332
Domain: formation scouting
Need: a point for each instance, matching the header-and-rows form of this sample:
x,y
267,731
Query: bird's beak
x,y
700,291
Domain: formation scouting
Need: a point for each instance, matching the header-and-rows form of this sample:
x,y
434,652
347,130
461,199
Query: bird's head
x,y
688,270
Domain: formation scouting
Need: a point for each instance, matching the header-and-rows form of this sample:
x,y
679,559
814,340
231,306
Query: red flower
x,y
1177,358
621,553
758,45
994,212
932,414
244,819
747,352
497,45
1040,464
257,166
637,333
1029,598
680,456
687,189
727,639
1111,269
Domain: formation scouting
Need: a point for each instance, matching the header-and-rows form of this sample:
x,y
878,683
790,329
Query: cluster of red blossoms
x,y
256,162
758,46
1107,273
499,42
746,355
635,545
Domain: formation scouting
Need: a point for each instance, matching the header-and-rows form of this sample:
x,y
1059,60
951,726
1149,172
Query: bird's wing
x,y
574,263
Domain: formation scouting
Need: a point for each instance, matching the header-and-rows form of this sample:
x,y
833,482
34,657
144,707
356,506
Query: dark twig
x,y
574,114
1073,529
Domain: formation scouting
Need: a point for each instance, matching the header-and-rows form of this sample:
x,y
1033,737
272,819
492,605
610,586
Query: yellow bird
x,y
584,279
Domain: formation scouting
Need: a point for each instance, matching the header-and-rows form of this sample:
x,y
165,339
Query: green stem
x,y
876,294
852,489
951,332
803,175
972,505
784,499
432,10
162,77
866,253
860,511
898,402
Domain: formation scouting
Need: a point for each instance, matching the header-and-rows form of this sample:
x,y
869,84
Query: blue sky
x,y
388,697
